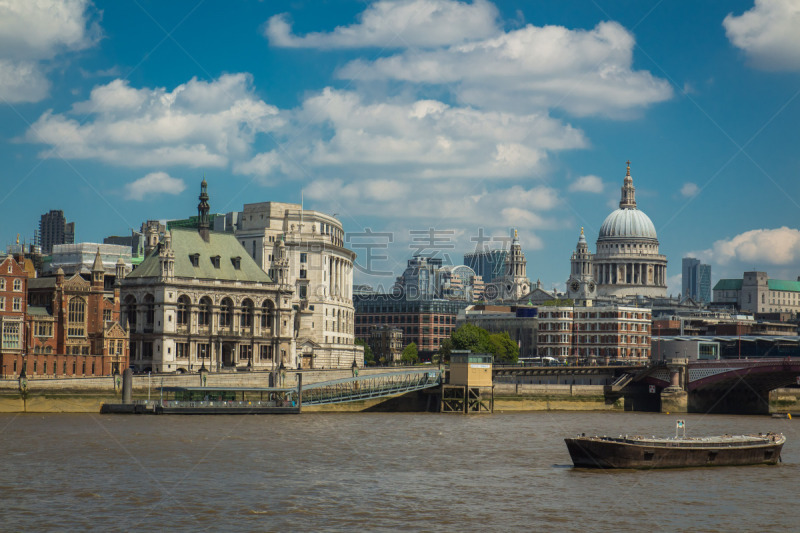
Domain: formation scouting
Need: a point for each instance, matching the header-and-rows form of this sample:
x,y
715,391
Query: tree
x,y
369,357
503,348
445,348
410,354
470,337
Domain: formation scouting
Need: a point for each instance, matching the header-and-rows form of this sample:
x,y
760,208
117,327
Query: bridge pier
x,y
675,399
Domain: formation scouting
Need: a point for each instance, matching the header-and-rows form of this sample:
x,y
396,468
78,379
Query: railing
x,y
365,387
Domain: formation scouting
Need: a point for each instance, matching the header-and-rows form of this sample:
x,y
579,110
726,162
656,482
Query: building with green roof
x,y
756,293
198,300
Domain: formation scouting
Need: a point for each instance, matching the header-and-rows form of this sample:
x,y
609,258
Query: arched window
x,y
149,311
267,314
226,313
130,311
183,310
247,313
76,317
204,311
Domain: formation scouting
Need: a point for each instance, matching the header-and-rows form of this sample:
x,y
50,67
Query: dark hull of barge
x,y
587,452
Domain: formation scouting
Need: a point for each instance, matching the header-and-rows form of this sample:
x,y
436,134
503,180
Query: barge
x,y
675,452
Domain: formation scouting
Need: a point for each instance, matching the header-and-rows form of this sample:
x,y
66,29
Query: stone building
x,y
756,293
386,343
199,300
626,262
73,325
304,250
513,284
595,334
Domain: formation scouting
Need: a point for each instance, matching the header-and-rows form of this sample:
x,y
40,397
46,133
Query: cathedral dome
x,y
627,223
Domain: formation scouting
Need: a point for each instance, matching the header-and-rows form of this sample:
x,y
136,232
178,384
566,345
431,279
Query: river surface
x,y
374,472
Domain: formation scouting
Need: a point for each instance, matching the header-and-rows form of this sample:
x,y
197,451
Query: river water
x,y
375,472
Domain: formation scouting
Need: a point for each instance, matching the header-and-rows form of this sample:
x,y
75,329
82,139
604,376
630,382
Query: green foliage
x,y
470,337
410,354
478,340
503,348
369,357
444,351
566,302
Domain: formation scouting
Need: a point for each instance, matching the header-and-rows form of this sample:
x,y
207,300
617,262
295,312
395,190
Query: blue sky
x,y
466,117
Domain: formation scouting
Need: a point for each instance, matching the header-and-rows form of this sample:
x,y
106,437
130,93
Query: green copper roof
x,y
188,242
728,285
782,285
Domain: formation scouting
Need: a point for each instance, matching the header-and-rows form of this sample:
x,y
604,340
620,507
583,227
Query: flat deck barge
x,y
678,452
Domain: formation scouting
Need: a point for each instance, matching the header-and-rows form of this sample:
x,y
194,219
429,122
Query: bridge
x,y
368,387
727,385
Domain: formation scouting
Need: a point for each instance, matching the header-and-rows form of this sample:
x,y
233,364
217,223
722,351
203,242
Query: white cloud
x,y
756,248
689,189
197,124
583,72
154,184
33,31
423,139
443,203
768,34
397,24
590,183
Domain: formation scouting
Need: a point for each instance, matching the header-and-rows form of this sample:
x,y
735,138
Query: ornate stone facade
x,y
627,262
304,250
200,301
514,284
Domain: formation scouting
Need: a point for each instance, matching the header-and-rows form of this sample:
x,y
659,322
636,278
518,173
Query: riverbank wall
x,y
785,401
87,395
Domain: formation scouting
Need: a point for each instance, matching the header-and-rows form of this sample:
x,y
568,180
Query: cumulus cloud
x,y
35,31
590,183
397,24
196,124
768,34
494,209
154,184
584,72
689,189
420,139
778,247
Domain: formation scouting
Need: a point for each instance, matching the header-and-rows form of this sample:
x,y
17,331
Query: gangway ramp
x,y
367,387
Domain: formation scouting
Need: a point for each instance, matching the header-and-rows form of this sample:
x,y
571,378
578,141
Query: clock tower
x,y
581,286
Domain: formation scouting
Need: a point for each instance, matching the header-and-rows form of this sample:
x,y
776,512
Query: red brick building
x,y
72,327
13,307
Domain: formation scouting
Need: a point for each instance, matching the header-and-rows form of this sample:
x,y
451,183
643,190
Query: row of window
x,y
594,339
17,284
16,304
93,367
404,319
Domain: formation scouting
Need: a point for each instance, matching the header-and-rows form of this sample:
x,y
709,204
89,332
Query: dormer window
x,y
215,261
237,262
195,259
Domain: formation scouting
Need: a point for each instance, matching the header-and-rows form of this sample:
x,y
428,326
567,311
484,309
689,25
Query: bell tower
x,y
581,286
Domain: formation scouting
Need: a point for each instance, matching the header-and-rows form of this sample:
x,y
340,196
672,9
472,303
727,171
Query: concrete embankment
x,y
523,397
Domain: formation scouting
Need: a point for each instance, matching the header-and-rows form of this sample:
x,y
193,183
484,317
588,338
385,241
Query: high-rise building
x,y
54,229
696,280
489,264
